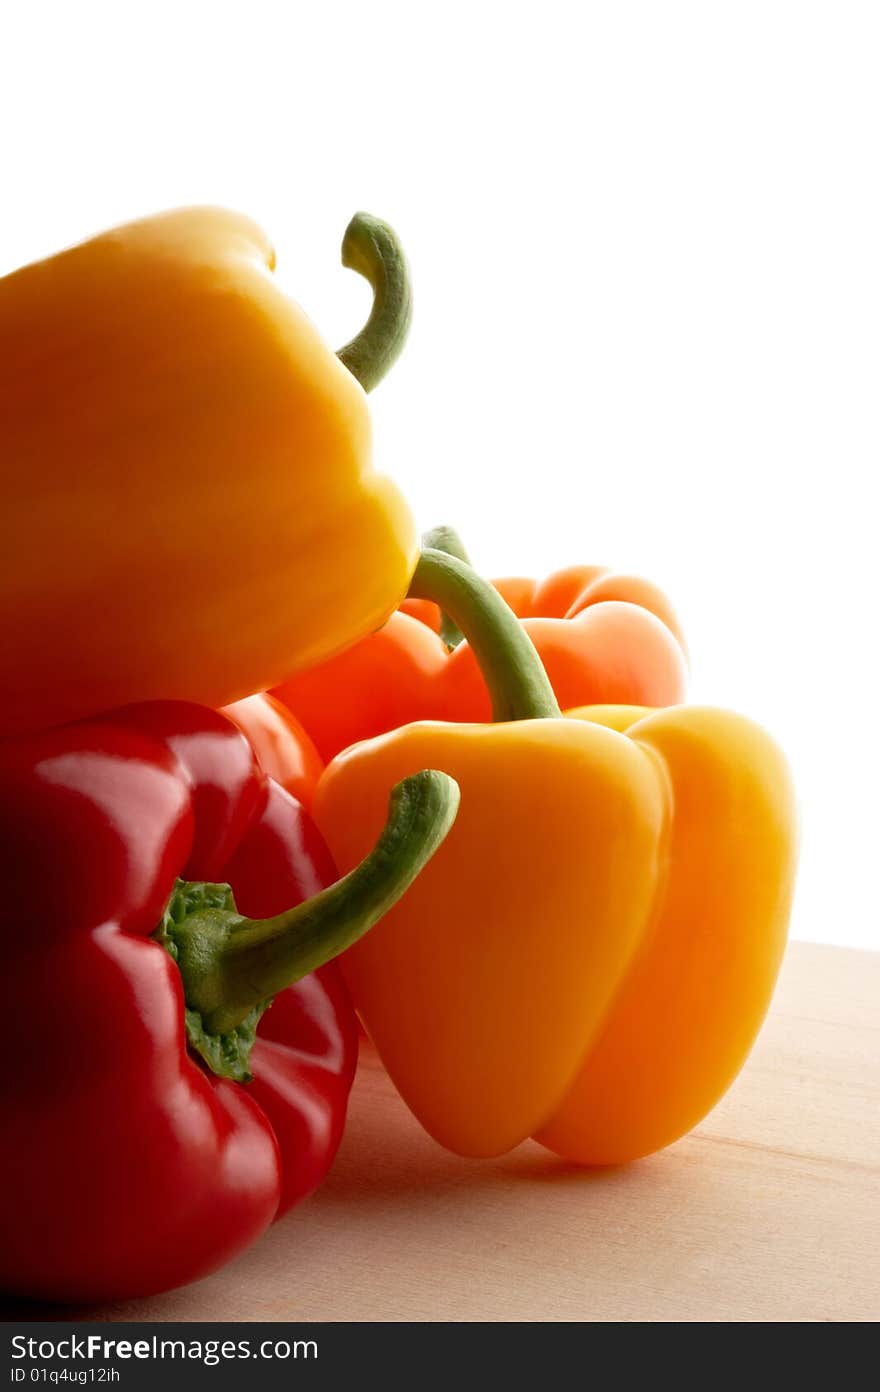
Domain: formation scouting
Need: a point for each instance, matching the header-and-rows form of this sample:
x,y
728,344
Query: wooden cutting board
x,y
770,1211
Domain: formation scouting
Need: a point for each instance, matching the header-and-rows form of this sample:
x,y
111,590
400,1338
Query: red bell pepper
x,y
280,743
156,1115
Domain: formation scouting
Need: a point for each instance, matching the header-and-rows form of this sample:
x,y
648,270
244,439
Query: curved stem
x,y
447,540
371,248
231,964
518,685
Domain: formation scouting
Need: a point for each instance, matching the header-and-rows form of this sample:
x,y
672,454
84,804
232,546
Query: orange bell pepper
x,y
603,637
589,956
189,508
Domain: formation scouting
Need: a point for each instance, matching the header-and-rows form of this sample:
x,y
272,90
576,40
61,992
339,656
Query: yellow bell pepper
x,y
590,954
189,508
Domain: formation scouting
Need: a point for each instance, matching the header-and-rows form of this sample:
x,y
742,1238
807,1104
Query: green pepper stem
x,y
231,964
447,540
371,248
514,673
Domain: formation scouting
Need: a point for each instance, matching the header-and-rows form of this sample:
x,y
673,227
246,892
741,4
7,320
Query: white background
x,y
645,240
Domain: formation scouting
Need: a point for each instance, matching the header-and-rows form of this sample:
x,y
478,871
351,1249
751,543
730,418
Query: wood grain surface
x,y
770,1211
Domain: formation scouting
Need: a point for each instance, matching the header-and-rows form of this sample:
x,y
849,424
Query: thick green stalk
x,y
514,673
371,248
447,540
232,966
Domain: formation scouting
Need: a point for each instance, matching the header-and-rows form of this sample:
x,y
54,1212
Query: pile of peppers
x,y
268,764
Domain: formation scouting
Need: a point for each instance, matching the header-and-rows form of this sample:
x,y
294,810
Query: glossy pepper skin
x,y
283,749
129,1167
590,955
190,509
603,638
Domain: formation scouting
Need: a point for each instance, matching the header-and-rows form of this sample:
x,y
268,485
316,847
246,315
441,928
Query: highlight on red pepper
x,y
190,508
283,749
589,956
182,1047
603,638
